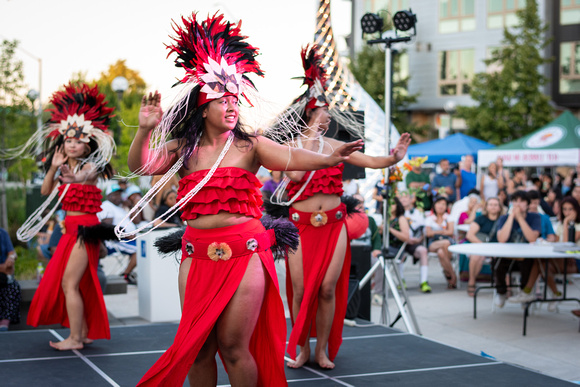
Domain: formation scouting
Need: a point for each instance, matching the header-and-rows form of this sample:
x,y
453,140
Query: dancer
x,y
79,150
317,273
229,292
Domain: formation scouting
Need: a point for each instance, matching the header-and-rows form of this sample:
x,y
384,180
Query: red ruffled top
x,y
230,189
81,197
326,181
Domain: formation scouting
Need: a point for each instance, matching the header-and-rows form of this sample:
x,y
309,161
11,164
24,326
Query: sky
x,y
79,35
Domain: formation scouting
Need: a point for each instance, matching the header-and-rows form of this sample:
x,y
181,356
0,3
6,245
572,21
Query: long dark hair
x,y
574,203
188,124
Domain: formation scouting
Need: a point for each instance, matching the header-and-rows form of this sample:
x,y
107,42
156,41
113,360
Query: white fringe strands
x,y
126,236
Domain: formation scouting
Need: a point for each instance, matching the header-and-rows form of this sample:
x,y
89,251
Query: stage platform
x,y
369,356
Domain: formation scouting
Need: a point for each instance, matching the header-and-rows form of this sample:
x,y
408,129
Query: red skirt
x,y
318,244
211,283
49,304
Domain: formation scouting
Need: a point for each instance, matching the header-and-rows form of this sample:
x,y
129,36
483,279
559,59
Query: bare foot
x,y
323,361
87,341
66,345
302,358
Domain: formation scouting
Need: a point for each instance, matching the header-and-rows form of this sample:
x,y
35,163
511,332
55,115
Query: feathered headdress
x,y
314,77
215,56
79,112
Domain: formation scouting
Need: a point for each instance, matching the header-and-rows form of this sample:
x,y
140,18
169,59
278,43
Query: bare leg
x,y
445,260
326,302
236,325
203,372
75,268
297,273
131,265
182,278
475,265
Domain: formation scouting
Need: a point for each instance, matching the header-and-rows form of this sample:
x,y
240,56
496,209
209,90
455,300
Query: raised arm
x,y
284,158
50,181
376,162
139,153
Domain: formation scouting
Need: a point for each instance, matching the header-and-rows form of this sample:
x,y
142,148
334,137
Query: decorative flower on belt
x,y
318,218
217,251
214,55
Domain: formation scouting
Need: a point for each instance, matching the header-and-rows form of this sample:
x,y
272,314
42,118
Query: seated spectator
x,y
418,182
570,217
350,187
415,247
482,230
460,206
168,200
503,198
9,288
445,181
45,251
113,213
439,231
517,182
519,226
132,196
271,185
473,209
378,192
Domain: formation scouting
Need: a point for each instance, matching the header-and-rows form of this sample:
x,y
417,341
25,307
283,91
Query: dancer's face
x,y
222,113
75,148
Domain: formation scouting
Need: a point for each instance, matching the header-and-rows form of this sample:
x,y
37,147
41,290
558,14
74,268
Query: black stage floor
x,y
369,356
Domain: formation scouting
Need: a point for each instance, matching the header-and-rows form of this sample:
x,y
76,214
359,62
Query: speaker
x,y
360,265
353,305
337,131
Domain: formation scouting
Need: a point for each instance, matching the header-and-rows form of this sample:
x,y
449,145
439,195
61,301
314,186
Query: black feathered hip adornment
x,y
351,203
97,233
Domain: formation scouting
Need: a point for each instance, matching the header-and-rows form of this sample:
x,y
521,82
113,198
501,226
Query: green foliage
x,y
510,103
369,71
25,268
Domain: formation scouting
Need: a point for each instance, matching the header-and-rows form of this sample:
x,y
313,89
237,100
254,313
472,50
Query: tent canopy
x,y
451,148
556,143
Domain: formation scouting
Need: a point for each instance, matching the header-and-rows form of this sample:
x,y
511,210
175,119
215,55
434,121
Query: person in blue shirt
x,y
9,288
468,178
519,226
446,180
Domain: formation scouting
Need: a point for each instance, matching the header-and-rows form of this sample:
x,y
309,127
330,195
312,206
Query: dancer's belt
x,y
220,250
318,218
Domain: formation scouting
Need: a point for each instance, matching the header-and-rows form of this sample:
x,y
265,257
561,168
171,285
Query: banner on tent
x,y
530,158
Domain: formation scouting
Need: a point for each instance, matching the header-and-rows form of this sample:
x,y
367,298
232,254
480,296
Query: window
x,y
570,68
456,69
502,13
569,12
391,6
456,16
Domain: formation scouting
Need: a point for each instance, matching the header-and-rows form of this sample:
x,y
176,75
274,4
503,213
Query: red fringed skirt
x,y
318,243
49,304
211,283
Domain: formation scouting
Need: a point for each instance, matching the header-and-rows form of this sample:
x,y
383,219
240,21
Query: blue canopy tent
x,y
451,148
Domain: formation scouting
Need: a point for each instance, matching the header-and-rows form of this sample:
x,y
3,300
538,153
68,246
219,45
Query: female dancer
x,y
229,291
317,273
69,293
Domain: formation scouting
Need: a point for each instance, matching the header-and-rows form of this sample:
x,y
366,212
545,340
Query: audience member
x,y
350,187
547,231
482,230
168,200
502,174
489,185
519,226
415,247
418,183
113,213
575,193
271,185
378,192
131,196
439,230
445,181
503,197
172,184
468,178
9,287
518,182
473,209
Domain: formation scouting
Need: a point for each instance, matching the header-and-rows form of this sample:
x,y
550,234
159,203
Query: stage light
x,y
371,23
404,20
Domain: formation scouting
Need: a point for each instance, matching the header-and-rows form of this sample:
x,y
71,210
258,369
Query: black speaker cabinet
x,y
360,265
336,130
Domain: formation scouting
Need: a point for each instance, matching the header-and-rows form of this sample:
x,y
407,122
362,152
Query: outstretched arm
x,y
377,162
139,153
284,158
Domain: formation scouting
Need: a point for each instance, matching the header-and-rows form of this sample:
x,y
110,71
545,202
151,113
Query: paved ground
x,y
552,344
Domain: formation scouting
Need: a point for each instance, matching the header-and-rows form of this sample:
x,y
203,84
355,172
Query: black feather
x,y
351,204
287,238
275,210
170,243
97,233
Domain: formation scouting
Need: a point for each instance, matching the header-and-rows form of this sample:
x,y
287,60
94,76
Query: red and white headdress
x,y
215,56
314,77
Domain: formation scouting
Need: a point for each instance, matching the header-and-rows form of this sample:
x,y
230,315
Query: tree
x,y
510,103
14,108
127,109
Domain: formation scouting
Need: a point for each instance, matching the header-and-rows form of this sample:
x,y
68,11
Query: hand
x,y
341,153
517,213
401,148
66,175
150,113
59,157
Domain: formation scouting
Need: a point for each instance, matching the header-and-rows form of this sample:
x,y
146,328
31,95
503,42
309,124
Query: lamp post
x,y
119,86
450,108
